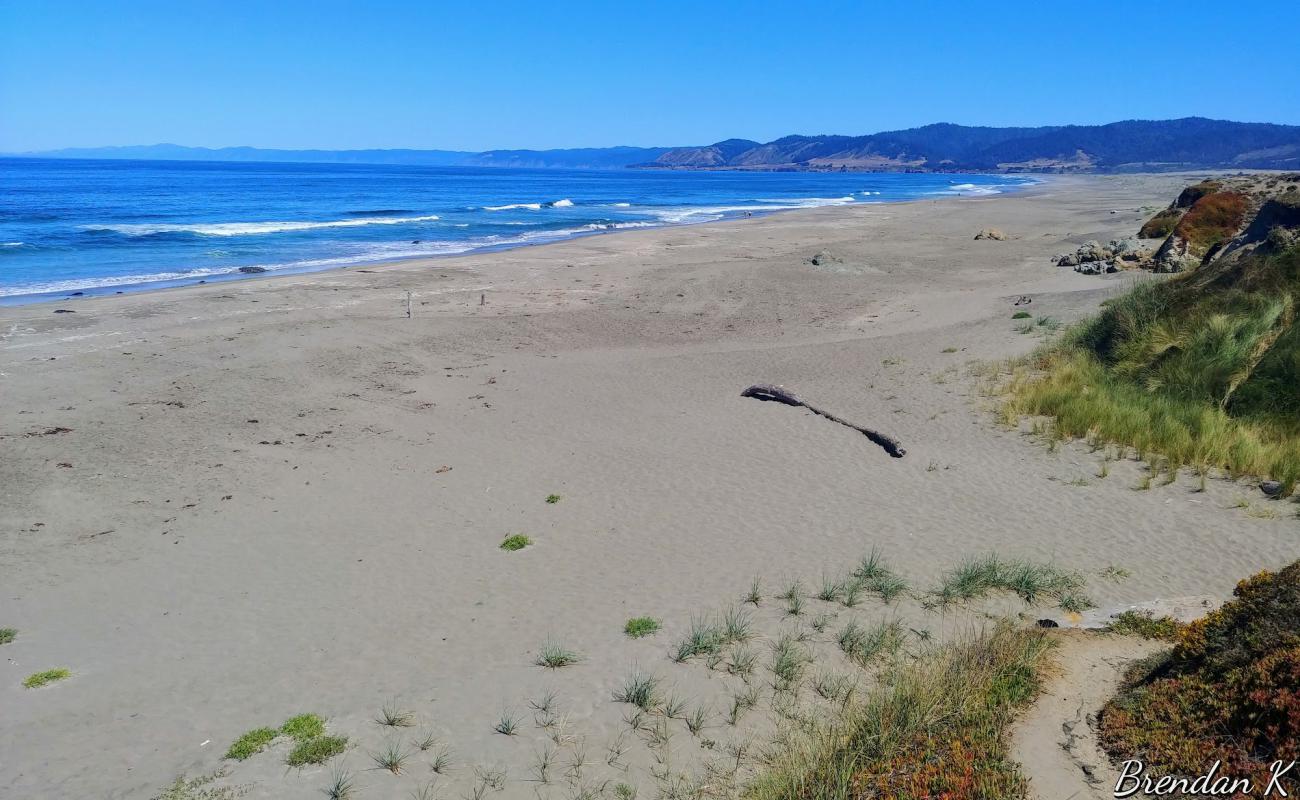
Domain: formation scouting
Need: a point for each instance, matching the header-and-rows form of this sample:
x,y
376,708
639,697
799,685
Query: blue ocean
x,y
98,227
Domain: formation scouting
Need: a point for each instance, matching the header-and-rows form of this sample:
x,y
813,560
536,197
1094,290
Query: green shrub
x,y
7,635
316,751
641,626
516,542
39,679
303,726
251,743
1021,315
1146,625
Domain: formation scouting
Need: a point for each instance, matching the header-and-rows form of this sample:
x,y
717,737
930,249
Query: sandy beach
x,y
224,505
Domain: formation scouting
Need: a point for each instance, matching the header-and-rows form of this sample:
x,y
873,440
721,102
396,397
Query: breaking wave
x,y
252,228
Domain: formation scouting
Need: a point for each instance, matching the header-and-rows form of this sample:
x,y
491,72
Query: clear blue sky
x,y
472,76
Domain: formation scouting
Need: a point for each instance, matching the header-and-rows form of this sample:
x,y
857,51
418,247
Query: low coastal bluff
x,y
1221,220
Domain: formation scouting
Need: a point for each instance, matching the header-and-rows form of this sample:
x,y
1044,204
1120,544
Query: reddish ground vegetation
x,y
1161,225
1230,689
1214,218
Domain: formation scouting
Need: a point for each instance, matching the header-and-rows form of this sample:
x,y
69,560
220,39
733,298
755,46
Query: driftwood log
x,y
779,394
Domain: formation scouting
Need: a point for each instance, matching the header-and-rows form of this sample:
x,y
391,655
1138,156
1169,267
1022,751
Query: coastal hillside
x,y
1135,145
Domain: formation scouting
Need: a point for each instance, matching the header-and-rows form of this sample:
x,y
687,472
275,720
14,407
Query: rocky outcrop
x,y
1095,258
1211,221
991,233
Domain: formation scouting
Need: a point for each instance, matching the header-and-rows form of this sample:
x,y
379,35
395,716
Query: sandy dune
x,y
248,515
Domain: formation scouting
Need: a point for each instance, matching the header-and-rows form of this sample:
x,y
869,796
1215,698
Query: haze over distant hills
x,y
1134,145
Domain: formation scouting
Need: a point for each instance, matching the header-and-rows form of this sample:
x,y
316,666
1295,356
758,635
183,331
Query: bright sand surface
x,y
251,516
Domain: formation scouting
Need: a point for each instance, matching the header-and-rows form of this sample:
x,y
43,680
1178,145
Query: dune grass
x,y
1033,582
1194,372
935,728
554,655
639,689
202,788
875,575
7,635
38,679
391,757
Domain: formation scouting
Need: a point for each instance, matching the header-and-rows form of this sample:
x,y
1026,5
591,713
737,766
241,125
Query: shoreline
x,y
14,300
223,506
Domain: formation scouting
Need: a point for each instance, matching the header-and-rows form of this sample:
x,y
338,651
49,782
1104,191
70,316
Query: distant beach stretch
x,y
99,227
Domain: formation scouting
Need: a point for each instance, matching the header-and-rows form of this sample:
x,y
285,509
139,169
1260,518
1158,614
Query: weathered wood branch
x,y
779,394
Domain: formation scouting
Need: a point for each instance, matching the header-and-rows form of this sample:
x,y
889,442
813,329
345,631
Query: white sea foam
x,y
252,228
621,205
565,203
372,253
11,244
711,213
968,190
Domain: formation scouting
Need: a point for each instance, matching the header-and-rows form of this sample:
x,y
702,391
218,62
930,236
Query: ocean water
x,y
99,227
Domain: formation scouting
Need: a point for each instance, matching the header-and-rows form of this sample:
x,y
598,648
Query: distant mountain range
x,y
1134,145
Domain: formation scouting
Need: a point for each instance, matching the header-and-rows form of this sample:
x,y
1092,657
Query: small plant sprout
x,y
735,626
703,638
508,724
789,659
697,719
552,499
426,742
831,589
851,597
514,542
428,791
341,785
821,621
794,606
614,753
441,763
834,686
554,655
7,635
38,679
639,689
742,662
755,594
392,758
638,627
543,761
673,706
392,716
